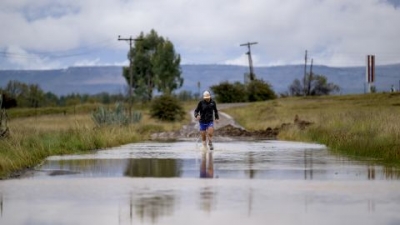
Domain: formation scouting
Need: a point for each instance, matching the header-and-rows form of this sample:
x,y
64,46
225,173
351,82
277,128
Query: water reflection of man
x,y
207,165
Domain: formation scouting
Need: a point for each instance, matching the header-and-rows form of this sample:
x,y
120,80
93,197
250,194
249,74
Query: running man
x,y
205,111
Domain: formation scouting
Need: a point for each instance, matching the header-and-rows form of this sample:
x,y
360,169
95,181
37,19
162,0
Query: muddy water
x,y
266,182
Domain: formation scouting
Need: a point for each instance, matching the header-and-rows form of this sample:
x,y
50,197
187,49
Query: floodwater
x,y
265,182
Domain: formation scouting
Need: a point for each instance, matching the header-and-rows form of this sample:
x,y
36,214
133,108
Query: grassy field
x,y
56,132
361,126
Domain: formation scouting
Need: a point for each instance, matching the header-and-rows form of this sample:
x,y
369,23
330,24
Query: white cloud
x,y
335,32
98,62
86,62
243,60
20,59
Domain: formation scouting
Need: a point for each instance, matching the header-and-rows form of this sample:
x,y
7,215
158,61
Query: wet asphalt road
x,y
264,182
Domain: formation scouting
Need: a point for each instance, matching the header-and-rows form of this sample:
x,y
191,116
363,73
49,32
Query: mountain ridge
x,y
97,79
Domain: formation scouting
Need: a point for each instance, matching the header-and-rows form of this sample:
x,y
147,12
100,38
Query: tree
x,y
26,95
15,88
7,102
50,99
35,95
227,93
167,108
255,90
259,90
296,89
155,66
166,67
318,86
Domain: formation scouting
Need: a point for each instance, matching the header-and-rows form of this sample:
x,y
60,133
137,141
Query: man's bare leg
x,y
203,138
210,132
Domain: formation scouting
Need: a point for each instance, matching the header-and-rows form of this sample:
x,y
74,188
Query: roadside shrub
x,y
259,90
167,108
316,85
256,90
226,92
104,116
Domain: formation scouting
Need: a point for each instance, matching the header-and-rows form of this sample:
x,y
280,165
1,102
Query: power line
x,y
6,54
130,40
248,44
59,54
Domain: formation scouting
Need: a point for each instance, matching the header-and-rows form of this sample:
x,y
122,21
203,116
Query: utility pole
x,y
252,76
305,73
370,73
131,40
198,87
310,78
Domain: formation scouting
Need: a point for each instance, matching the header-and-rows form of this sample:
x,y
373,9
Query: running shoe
x,y
210,144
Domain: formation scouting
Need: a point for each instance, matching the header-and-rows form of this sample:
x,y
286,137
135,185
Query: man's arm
x,y
216,111
197,110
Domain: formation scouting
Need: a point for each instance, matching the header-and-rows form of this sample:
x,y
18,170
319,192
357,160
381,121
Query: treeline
x,y
32,96
253,91
19,94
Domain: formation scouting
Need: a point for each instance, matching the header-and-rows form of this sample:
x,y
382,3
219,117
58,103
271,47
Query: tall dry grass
x,y
362,126
32,139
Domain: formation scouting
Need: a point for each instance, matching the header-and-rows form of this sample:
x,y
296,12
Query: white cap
x,y
206,95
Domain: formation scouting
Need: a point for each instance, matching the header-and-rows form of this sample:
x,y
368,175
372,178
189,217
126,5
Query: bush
x,y
259,90
316,85
167,108
103,116
256,90
227,93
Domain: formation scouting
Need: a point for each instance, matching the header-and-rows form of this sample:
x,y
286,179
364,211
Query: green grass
x,y
361,126
30,112
32,139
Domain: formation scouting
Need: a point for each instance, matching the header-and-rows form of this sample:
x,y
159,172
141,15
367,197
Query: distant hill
x,y
93,80
89,80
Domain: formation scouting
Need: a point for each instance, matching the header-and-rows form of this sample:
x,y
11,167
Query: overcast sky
x,y
47,34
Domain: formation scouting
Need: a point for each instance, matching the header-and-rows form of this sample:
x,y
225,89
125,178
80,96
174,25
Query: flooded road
x,y
265,182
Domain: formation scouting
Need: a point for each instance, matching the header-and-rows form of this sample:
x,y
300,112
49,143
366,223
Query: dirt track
x,y
226,129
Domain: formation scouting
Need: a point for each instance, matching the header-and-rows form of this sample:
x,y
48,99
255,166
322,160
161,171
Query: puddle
x,y
234,160
266,182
